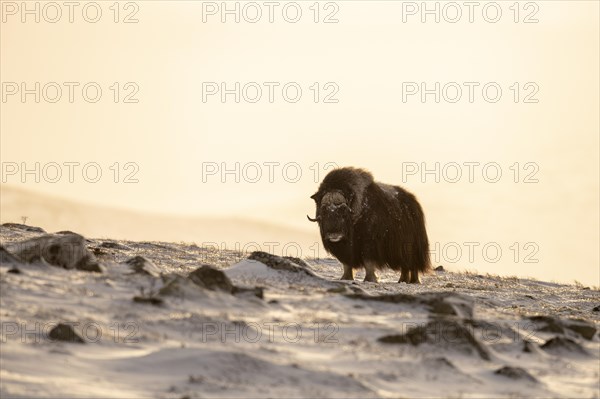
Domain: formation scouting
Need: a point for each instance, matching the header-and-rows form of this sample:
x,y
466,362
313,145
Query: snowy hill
x,y
155,322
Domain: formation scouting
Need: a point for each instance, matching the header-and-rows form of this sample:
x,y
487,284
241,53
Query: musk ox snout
x,y
334,237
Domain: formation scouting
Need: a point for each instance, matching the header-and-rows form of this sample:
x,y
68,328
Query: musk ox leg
x,y
370,273
348,273
404,276
414,277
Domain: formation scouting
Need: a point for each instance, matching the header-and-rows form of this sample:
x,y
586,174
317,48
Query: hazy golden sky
x,y
170,134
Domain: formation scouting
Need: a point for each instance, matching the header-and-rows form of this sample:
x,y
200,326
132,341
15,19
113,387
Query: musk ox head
x,y
340,201
333,214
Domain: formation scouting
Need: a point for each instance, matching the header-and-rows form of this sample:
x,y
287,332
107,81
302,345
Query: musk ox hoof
x,y
348,273
409,277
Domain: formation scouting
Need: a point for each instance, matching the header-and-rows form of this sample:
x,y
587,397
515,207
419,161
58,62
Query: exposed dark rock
x,y
547,324
20,226
448,303
389,298
596,309
195,379
440,268
154,245
68,251
439,306
562,345
14,270
298,261
529,347
98,252
550,324
340,289
438,363
151,300
279,263
176,285
493,331
8,258
357,289
582,327
443,334
211,278
64,332
67,232
142,265
113,245
414,336
441,303
256,291
205,277
515,373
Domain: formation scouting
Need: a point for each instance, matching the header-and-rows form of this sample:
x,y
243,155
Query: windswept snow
x,y
310,335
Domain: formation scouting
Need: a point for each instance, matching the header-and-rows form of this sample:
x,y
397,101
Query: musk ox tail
x,y
423,261
420,257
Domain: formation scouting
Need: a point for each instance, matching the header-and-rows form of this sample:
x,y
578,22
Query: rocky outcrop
x,y
141,265
24,227
439,303
550,324
205,277
444,334
68,251
282,263
65,333
515,373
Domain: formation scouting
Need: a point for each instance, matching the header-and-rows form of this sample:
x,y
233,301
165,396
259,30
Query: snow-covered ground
x,y
310,335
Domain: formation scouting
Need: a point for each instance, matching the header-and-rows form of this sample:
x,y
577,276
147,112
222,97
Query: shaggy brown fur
x,y
373,225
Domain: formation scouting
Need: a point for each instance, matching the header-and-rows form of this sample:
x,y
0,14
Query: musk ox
x,y
364,223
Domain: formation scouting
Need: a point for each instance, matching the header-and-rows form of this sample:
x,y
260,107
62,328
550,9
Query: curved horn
x,y
346,206
315,219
